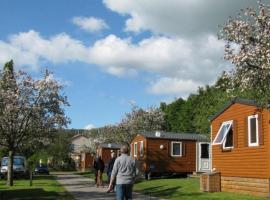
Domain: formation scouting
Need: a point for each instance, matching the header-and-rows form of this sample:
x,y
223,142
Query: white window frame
x,y
254,144
135,152
225,135
180,143
141,149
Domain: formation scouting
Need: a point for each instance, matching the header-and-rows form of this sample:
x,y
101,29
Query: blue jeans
x,y
124,191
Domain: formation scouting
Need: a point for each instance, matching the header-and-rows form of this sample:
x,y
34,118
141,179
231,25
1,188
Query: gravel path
x,y
83,188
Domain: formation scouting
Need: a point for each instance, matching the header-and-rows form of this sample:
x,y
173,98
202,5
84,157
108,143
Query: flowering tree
x,y
29,110
150,119
138,119
248,47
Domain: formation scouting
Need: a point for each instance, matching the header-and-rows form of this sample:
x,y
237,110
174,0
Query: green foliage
x,y
8,67
177,116
35,158
191,115
60,148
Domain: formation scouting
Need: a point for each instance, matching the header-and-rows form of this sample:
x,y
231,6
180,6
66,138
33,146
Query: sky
x,y
113,54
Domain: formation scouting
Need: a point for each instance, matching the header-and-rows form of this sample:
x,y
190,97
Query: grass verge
x,y
184,189
44,188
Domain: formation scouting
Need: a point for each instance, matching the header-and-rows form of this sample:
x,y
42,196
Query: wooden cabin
x,y
86,161
170,153
105,150
241,147
81,146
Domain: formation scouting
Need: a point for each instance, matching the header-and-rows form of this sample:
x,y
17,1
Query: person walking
x,y
124,171
100,168
110,166
95,166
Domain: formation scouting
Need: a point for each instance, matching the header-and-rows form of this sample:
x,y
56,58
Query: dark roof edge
x,y
233,101
145,135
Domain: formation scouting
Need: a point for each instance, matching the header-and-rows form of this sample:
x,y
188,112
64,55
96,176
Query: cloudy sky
x,y
112,54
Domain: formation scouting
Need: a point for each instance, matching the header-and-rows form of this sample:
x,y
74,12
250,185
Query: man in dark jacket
x,y
95,166
110,165
100,168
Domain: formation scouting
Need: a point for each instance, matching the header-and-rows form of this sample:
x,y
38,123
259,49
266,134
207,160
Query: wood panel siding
x,y
87,162
105,154
140,159
251,186
242,160
161,159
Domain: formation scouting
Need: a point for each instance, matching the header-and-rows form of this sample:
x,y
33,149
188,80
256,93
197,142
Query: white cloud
x,y
90,24
175,58
173,86
177,17
28,49
89,127
199,60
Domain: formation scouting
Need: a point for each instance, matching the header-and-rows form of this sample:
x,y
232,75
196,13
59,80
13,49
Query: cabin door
x,y
204,157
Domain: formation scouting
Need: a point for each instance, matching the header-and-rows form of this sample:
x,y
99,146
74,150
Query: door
x,y
204,157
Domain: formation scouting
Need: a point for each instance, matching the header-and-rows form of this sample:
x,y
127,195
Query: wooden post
x,y
31,177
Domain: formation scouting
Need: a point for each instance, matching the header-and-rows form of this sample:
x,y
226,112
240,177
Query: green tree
x,y
177,116
60,148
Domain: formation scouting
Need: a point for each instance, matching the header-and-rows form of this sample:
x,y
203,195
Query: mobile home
x,y
169,153
240,147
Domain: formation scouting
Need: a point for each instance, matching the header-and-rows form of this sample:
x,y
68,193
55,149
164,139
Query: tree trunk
x,y
31,176
10,168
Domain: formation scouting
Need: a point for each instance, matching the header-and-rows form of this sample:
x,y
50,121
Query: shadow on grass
x,y
28,194
161,191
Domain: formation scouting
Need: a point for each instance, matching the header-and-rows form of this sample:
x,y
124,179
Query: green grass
x,y
185,189
44,188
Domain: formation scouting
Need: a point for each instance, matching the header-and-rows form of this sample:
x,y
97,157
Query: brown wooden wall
x,y
242,161
105,154
162,159
141,160
87,163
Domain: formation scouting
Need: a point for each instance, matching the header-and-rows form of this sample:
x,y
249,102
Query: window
x,y
228,142
253,132
176,149
204,150
141,149
222,134
135,149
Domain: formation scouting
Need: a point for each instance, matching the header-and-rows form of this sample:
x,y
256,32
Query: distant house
x,y
163,152
105,149
82,147
241,147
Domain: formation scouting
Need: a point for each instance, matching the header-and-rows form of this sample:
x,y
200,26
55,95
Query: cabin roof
x,y
175,136
248,102
110,145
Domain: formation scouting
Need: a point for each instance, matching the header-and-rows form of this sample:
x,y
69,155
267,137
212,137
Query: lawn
x,y
184,189
44,188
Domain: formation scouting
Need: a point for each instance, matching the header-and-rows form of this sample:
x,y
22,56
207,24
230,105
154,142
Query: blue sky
x,y
111,54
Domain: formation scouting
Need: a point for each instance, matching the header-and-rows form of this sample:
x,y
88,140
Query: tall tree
x,y
29,110
247,46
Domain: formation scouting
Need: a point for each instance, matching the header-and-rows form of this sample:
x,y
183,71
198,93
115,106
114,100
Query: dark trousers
x,y
124,191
